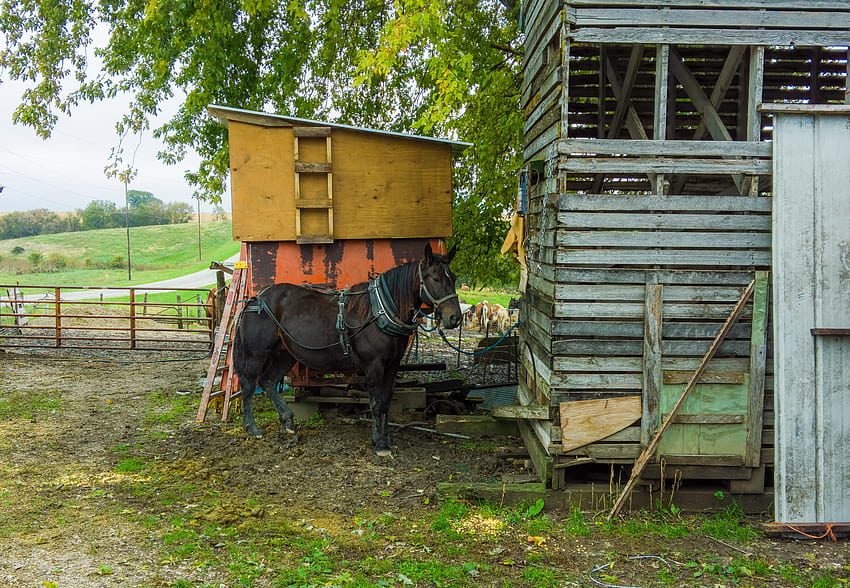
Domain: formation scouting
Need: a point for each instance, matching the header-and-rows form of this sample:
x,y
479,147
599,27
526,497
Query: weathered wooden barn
x,y
649,196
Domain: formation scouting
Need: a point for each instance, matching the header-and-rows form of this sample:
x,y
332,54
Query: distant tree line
x,y
143,209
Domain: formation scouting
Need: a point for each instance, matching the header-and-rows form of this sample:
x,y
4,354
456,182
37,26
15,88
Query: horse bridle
x,y
423,289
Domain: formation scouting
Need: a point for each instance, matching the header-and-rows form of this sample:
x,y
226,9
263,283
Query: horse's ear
x,y
429,254
451,254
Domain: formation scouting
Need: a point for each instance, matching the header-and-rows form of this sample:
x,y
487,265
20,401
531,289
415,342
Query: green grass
x,y
98,258
492,296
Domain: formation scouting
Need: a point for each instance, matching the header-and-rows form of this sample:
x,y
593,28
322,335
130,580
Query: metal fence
x,y
148,319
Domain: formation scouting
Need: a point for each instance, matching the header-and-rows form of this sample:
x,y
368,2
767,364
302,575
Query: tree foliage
x,y
437,67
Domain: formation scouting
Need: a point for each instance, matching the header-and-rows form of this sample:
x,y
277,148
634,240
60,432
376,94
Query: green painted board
x,y
711,438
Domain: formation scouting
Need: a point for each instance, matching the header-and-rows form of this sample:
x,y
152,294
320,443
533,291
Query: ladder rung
x,y
313,168
314,203
313,239
312,131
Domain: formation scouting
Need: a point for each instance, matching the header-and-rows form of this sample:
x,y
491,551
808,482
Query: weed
x,y
576,524
130,465
730,525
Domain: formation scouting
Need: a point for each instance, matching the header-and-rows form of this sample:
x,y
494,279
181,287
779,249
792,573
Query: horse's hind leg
x,y
281,363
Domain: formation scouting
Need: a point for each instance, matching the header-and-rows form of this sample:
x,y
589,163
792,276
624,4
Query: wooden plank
x,y
663,239
588,421
658,165
719,4
705,222
583,347
262,180
704,36
706,419
314,239
651,384
622,203
684,17
626,310
311,131
666,277
649,450
525,412
682,148
703,460
633,123
758,367
312,168
682,377
685,257
314,203
829,332
589,363
636,293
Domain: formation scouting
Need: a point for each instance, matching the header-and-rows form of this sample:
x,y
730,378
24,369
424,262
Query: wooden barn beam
x,y
707,110
633,123
662,94
755,87
718,93
623,101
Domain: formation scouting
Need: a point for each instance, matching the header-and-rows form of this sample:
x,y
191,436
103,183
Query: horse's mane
x,y
398,281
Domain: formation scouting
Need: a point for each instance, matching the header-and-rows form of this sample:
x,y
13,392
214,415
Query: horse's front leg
x,y
380,394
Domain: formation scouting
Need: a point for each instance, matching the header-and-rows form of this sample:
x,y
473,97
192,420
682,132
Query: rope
x,y
830,533
493,346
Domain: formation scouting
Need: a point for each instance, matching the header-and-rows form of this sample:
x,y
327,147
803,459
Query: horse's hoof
x,y
384,453
255,433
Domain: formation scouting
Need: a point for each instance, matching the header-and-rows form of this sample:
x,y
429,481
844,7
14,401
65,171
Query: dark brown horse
x,y
366,328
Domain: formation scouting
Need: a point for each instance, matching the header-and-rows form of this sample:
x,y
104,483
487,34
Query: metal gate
x,y
149,319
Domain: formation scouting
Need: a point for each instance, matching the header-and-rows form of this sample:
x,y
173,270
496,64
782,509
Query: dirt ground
x,y
69,423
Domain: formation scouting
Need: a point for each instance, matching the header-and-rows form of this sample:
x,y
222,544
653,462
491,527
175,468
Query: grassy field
x,y
99,258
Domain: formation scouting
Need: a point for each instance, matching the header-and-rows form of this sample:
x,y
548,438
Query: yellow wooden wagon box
x,y
315,182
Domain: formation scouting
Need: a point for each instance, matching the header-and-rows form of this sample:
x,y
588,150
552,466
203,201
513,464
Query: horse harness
x,y
383,310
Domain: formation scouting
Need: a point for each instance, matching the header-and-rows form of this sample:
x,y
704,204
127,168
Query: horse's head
x,y
437,287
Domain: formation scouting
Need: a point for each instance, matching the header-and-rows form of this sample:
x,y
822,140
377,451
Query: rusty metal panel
x,y
335,265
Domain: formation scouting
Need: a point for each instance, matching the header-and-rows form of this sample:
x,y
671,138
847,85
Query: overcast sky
x,y
65,172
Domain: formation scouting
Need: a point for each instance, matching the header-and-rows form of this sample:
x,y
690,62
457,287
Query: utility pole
x,y
127,224
200,257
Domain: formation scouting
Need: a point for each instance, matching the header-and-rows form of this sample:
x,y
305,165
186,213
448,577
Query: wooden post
x,y
652,372
179,312
133,318
758,364
659,125
648,453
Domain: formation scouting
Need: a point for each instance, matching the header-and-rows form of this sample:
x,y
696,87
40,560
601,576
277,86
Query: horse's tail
x,y
240,355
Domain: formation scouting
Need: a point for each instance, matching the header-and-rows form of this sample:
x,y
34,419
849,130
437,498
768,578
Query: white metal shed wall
x,y
811,281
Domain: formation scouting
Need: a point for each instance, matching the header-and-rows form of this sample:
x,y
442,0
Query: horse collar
x,y
385,311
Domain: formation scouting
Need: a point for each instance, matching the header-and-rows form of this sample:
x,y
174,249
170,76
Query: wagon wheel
x,y
445,406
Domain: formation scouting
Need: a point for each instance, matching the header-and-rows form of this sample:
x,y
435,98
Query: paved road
x,y
198,279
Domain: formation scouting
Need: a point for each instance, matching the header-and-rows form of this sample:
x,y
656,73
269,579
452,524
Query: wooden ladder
x,y
221,362
313,203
